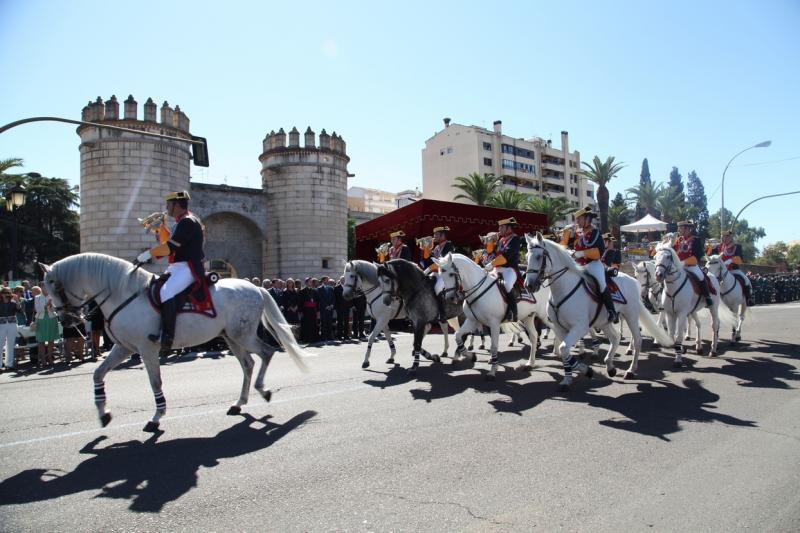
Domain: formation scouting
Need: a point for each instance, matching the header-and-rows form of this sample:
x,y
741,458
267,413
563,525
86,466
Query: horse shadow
x,y
657,409
758,372
149,473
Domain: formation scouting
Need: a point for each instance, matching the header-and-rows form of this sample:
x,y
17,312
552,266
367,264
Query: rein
x,y
725,275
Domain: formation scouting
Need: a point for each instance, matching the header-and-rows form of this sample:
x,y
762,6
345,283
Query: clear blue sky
x,y
685,84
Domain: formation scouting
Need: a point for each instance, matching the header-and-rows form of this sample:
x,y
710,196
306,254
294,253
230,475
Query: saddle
x,y
696,283
613,288
518,292
196,298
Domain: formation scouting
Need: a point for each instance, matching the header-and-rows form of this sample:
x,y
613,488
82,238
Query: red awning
x,y
417,220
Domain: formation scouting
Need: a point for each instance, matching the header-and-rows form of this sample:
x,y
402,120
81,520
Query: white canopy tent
x,y
648,223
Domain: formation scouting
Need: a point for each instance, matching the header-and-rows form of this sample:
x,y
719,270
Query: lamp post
x,y
722,213
15,198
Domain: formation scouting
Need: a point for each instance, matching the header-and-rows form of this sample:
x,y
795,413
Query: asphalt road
x,y
714,447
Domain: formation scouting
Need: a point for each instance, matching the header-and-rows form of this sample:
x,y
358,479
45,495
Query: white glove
x,y
577,254
144,257
489,267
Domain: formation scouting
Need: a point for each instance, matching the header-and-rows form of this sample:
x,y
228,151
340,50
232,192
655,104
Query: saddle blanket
x,y
707,280
195,299
613,288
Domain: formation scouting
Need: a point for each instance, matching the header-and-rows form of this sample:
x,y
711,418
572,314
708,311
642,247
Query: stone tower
x,y
306,194
125,176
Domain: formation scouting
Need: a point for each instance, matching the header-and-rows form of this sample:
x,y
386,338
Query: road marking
x,y
175,417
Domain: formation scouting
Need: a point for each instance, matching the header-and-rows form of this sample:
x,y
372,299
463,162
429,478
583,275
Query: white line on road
x,y
175,417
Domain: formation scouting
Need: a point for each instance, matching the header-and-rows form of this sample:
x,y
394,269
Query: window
x,y
325,262
521,152
589,194
487,161
487,146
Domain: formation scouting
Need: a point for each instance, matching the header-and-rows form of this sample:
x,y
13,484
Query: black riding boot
x,y
609,303
748,295
704,292
169,310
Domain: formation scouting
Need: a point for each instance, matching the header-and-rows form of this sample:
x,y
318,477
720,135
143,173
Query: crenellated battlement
x,y
99,111
277,142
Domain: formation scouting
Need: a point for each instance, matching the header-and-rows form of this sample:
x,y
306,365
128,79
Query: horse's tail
x,y
726,317
272,318
646,319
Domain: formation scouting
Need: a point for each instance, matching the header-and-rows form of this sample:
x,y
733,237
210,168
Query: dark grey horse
x,y
403,279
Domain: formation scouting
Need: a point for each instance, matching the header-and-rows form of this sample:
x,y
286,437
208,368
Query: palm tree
x,y
669,201
645,197
555,208
601,173
618,215
11,162
508,199
476,188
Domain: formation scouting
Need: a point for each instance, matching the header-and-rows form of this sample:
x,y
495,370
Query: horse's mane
x,y
365,269
111,271
562,252
466,260
406,269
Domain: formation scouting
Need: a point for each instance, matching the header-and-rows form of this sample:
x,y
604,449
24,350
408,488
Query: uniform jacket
x,y
590,243
690,249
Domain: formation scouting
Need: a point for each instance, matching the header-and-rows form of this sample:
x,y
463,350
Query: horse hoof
x,y
630,375
628,351
444,354
482,347
390,361
611,372
234,410
151,427
589,372
470,347
524,368
105,419
365,364
436,359
738,338
267,395
473,357
712,354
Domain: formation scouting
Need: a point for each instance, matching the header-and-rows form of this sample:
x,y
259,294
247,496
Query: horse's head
x,y
537,261
387,279
351,281
715,265
450,276
490,240
68,313
666,262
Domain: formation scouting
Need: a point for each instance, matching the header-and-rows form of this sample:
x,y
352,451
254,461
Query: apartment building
x,y
532,166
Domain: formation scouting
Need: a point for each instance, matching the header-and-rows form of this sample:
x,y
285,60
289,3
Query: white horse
x,y
121,294
466,281
732,293
645,273
572,310
681,301
362,277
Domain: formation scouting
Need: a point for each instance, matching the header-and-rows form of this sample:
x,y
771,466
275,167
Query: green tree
x,y
669,202
775,254
644,197
508,199
697,204
601,173
644,179
793,257
476,188
618,215
48,228
555,208
742,234
676,180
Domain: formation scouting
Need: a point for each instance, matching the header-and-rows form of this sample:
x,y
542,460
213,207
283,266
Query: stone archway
x,y
237,240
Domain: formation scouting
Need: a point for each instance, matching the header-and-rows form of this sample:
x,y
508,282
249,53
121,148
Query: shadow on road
x,y
149,473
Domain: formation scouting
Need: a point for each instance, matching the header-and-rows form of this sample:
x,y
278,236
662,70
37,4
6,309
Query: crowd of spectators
x,y
318,307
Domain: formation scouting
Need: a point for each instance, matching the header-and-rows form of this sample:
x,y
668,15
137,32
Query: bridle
x,y
541,279
668,271
68,309
354,286
650,283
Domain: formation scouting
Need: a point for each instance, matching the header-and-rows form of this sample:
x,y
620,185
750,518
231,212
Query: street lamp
x,y
722,213
14,200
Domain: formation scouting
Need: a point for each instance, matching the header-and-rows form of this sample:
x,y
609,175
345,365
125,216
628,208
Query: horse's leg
x,y
445,327
533,335
569,360
246,361
461,351
471,341
265,353
379,326
419,333
714,309
742,314
678,327
613,340
483,339
152,365
698,343
117,355
636,344
494,334
392,350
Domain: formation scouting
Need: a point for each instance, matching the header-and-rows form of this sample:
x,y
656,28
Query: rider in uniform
x,y
690,251
611,257
185,250
440,250
506,262
731,255
589,248
398,250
